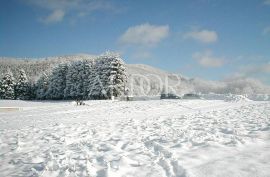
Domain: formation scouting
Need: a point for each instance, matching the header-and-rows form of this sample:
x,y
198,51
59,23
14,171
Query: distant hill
x,y
147,80
34,67
142,80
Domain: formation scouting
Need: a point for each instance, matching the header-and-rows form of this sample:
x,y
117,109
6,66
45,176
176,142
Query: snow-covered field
x,y
176,138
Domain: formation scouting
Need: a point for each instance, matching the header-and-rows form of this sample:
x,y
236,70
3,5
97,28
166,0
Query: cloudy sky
x,y
210,39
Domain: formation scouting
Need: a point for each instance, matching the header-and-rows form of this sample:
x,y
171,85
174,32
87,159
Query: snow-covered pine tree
x,y
112,76
8,85
71,79
78,79
57,82
118,76
96,89
80,84
1,88
74,82
22,89
87,77
33,91
42,86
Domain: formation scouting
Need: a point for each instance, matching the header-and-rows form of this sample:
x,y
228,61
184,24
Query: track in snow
x,y
150,138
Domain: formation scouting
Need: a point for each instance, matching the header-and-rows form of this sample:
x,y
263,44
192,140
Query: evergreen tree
x,y
117,78
57,82
74,82
33,91
77,82
1,88
96,89
8,85
41,86
87,77
112,75
22,89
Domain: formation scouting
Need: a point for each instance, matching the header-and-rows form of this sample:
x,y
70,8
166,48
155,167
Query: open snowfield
x,y
170,138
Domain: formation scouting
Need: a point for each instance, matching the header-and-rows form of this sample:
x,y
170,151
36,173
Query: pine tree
x,y
77,82
57,82
8,85
74,82
22,89
42,87
1,88
87,77
118,77
112,75
33,91
96,89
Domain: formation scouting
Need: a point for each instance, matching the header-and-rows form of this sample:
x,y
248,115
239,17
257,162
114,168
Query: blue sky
x,y
210,39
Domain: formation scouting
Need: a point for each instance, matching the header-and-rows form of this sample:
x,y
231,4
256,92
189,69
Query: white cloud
x,y
267,2
232,84
142,55
204,36
80,8
54,4
144,34
257,69
54,17
266,30
266,68
206,59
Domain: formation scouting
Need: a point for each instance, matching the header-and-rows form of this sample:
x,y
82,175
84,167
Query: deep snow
x,y
141,138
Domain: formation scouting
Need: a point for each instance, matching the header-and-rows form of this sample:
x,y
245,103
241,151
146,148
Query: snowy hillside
x,y
162,138
147,80
143,79
34,67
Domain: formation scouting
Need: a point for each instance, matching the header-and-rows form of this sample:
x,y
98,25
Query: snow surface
x,y
176,138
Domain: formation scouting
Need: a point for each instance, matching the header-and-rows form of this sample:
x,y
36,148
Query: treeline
x,y
101,78
34,66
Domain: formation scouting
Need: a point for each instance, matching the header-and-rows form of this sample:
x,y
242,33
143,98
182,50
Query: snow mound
x,y
259,97
213,96
73,103
229,97
236,98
